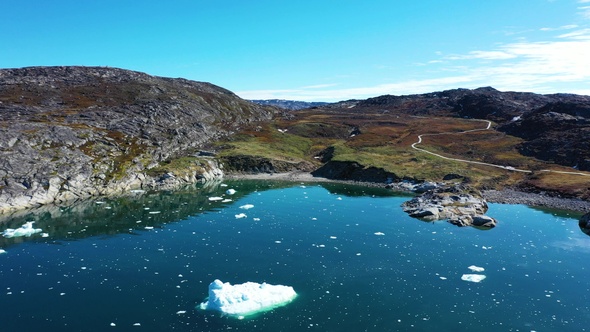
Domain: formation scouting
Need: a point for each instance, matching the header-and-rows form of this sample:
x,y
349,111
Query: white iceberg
x,y
473,277
230,191
25,230
247,206
213,199
2,251
241,215
476,268
248,298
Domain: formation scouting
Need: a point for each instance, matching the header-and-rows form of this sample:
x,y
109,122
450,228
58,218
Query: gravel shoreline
x,y
506,196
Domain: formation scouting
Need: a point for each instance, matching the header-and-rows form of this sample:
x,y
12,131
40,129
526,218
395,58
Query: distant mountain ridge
x,y
288,104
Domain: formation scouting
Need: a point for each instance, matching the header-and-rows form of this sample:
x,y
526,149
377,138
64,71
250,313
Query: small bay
x,y
356,260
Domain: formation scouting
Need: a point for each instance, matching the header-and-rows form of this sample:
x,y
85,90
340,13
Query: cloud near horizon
x,y
559,65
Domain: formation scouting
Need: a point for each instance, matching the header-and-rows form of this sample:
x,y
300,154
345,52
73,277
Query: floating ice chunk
x,y
476,268
339,198
44,234
137,324
149,227
256,219
379,233
113,324
215,198
230,191
25,230
473,277
247,206
155,212
240,216
2,251
227,200
246,299
181,312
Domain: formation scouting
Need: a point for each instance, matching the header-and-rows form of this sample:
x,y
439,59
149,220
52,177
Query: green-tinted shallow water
x,y
100,265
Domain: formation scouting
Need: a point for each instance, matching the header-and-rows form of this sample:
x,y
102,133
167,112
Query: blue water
x,y
141,260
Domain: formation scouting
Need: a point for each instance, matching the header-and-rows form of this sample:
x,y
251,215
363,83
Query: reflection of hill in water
x,y
137,211
112,216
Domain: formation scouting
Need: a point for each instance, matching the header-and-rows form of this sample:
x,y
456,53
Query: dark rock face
x,y
557,132
352,171
584,224
69,132
253,165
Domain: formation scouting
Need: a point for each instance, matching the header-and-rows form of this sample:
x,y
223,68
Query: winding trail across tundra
x,y
488,127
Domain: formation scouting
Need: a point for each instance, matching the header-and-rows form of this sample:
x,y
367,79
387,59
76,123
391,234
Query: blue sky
x,y
314,50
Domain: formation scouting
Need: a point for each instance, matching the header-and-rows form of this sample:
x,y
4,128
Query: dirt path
x,y
488,127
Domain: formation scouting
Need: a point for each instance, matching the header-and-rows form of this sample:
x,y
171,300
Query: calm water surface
x,y
356,260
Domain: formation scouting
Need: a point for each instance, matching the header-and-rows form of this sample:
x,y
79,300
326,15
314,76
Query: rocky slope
x,y
74,132
288,104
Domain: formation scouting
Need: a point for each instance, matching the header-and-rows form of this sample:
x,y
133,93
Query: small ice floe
x,y
241,215
149,227
2,251
230,191
25,230
473,277
113,324
181,312
443,278
213,199
246,299
137,324
256,219
339,198
247,206
99,202
379,233
223,185
155,212
333,237
44,234
227,200
476,268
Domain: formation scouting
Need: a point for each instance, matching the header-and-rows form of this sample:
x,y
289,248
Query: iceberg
x,y
476,268
2,251
247,206
241,215
473,277
246,299
214,199
25,230
230,191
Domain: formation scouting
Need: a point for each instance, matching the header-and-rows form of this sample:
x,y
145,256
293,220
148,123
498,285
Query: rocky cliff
x,y
75,132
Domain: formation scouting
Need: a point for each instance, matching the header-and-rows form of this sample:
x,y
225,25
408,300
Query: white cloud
x,y
541,67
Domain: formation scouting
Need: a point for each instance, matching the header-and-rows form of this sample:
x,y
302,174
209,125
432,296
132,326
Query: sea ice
x,y
230,191
227,200
247,206
240,216
476,268
247,298
2,251
473,277
25,230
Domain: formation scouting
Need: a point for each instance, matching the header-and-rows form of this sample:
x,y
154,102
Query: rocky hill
x,y
555,127
288,104
74,132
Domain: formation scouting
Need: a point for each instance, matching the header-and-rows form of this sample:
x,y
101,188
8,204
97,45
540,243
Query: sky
x,y
313,50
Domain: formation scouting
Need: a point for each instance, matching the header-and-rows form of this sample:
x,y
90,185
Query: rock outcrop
x,y
75,132
457,204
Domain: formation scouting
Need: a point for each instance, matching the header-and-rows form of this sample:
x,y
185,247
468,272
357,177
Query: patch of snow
x,y
25,230
473,277
240,216
247,206
230,191
247,298
137,191
476,268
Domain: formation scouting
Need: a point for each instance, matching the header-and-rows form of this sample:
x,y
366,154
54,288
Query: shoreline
x,y
505,196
